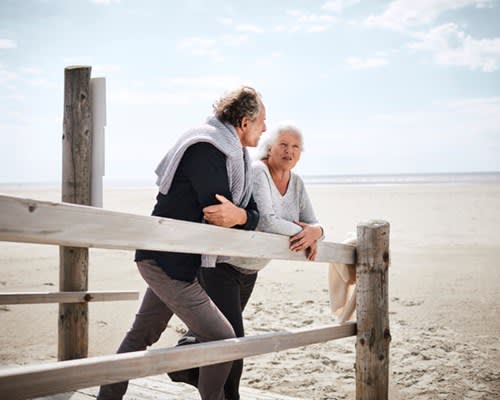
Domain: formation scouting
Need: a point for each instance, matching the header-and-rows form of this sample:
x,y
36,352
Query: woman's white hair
x,y
268,138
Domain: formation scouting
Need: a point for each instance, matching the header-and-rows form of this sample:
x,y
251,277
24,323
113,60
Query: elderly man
x,y
207,177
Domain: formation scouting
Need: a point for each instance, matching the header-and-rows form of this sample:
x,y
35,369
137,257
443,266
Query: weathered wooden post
x,y
76,184
373,334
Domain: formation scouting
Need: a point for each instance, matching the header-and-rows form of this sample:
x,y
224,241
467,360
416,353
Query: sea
x,y
393,179
364,179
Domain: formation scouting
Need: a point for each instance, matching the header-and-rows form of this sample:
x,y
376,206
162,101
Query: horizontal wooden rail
x,y
33,221
45,379
65,297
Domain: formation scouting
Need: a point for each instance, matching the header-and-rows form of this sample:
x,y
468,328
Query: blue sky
x,y
398,86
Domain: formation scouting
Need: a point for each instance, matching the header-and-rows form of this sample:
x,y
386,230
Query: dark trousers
x,y
164,297
230,290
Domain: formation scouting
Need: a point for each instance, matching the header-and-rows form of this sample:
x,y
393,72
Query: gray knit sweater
x,y
277,212
225,138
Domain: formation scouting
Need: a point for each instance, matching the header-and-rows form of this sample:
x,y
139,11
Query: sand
x,y
444,296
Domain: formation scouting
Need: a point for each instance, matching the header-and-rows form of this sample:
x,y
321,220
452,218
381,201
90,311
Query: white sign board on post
x,y
98,93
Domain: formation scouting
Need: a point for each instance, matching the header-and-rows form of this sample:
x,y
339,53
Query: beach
x,y
444,301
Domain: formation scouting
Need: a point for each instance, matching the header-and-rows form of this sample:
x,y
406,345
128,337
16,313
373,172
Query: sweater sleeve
x,y
252,216
269,221
306,209
205,167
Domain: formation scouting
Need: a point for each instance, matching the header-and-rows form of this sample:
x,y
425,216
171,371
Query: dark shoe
x,y
189,376
187,339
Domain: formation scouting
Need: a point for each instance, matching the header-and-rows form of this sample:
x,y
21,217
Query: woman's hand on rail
x,y
306,237
311,251
225,214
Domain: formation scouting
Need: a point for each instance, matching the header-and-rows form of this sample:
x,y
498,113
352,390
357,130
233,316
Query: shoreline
x,y
486,177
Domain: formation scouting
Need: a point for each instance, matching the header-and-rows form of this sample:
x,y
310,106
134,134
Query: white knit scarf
x,y
224,137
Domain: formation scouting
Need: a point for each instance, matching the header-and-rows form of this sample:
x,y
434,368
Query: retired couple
x,y
208,176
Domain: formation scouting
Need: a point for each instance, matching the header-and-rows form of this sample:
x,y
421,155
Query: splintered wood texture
x,y
373,337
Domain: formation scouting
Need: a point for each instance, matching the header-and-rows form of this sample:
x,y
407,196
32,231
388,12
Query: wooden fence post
x,y
373,334
76,184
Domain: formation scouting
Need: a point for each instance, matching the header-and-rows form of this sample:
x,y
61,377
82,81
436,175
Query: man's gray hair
x,y
268,139
242,102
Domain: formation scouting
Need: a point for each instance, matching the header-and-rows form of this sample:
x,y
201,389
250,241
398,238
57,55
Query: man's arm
x,y
205,167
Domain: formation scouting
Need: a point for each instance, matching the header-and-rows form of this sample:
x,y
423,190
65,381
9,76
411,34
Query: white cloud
x,y
451,46
42,83
401,14
139,97
233,40
303,22
105,69
31,71
481,113
15,97
249,28
461,134
337,6
269,60
181,90
7,44
97,69
89,61
105,2
78,61
7,75
219,82
240,27
7,78
211,48
197,42
366,63
225,21
24,75
201,47
470,114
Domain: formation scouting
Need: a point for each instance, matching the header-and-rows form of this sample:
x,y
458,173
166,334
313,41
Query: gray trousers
x,y
163,298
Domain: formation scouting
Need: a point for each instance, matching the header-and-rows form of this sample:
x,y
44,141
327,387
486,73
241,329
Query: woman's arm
x,y
269,221
311,230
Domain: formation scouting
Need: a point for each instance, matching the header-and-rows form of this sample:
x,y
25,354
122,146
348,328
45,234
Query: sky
x,y
376,87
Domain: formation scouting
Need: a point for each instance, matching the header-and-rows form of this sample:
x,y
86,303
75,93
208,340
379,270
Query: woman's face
x,y
285,151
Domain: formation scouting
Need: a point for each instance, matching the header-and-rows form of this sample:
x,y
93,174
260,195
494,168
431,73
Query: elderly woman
x,y
285,208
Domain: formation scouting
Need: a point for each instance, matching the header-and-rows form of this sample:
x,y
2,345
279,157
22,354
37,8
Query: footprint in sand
x,y
180,329
407,303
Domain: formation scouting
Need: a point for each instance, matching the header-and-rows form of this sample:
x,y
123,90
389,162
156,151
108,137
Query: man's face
x,y
252,130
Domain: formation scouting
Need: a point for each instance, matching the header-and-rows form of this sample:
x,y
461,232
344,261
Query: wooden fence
x,y
32,221
77,227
